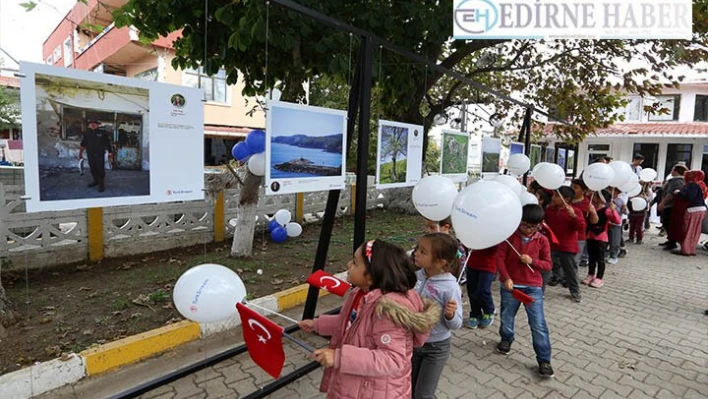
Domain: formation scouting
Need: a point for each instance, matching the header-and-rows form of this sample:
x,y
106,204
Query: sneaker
x,y
554,282
545,370
597,283
486,321
504,347
472,323
662,233
583,263
639,242
631,240
613,261
576,297
588,279
623,253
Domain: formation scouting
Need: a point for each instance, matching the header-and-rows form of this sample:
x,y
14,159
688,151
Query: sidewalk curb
x,y
46,376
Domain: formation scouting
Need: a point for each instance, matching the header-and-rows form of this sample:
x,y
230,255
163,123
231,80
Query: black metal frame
x,y
359,104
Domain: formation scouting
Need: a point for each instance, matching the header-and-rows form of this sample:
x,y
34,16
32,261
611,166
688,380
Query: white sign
x,y
577,19
95,140
305,148
399,159
454,149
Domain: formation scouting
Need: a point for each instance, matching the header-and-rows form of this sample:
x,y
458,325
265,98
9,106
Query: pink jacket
x,y
373,358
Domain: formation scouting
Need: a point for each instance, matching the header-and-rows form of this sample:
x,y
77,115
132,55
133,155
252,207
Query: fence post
x,y
352,191
95,233
300,207
219,217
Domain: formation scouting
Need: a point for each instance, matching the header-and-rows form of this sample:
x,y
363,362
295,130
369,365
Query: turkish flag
x,y
522,297
264,340
328,282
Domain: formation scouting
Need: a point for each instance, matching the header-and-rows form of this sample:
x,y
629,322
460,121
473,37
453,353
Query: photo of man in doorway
x,y
96,142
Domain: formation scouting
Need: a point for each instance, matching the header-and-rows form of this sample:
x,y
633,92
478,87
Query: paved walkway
x,y
643,335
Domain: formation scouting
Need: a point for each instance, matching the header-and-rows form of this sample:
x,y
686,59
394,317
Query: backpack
x,y
601,225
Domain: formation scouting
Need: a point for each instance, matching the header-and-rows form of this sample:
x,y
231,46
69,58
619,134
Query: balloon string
x,y
561,197
519,253
290,319
464,265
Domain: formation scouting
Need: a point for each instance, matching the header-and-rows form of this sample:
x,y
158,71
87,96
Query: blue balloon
x,y
256,141
279,234
273,225
241,151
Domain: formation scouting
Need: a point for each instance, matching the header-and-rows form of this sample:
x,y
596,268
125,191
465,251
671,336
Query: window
x,y
596,151
50,60
704,163
150,74
57,53
678,153
68,53
670,103
700,114
633,110
650,152
214,87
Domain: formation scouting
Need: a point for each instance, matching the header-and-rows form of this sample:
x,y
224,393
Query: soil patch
x,y
71,308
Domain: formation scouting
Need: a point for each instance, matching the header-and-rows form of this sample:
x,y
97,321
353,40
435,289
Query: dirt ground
x,y
70,308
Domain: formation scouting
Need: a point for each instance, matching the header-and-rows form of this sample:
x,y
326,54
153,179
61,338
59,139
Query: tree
x,y
393,146
581,80
9,108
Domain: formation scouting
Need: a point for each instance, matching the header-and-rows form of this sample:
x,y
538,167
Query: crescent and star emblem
x,y
261,338
337,283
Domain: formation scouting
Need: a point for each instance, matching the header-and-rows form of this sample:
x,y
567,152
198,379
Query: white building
x,y
664,140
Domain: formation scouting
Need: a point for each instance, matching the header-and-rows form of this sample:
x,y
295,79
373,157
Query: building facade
x,y
118,51
677,136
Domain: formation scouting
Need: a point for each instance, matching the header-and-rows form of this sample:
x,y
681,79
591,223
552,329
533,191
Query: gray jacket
x,y
441,288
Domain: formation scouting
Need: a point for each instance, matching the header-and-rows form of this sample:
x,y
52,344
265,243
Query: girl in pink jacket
x,y
381,321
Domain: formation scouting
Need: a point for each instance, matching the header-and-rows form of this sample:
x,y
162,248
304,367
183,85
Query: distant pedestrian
x,y
597,238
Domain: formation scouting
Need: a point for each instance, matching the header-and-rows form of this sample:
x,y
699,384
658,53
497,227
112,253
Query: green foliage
x,y
28,6
432,158
9,107
120,304
455,153
159,296
400,173
578,79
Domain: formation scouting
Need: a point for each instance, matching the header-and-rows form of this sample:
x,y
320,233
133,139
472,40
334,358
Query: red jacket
x,y
566,228
483,259
511,268
584,206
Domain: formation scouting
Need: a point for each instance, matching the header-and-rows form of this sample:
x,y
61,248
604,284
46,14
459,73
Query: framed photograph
x,y
535,155
550,154
570,162
491,150
399,155
561,158
454,151
476,154
94,140
304,148
516,148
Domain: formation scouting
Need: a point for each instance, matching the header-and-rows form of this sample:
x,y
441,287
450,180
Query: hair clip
x,y
460,254
367,251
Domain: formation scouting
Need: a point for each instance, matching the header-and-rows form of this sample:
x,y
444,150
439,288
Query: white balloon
x,y
598,176
622,172
538,166
638,204
518,164
528,198
208,293
635,190
647,175
283,217
485,213
433,197
293,229
256,164
511,182
628,185
550,176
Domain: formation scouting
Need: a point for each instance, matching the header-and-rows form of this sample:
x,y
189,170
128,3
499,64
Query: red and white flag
x,y
264,340
328,282
522,297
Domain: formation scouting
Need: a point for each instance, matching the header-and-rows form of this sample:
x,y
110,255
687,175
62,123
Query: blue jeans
x,y
479,289
537,321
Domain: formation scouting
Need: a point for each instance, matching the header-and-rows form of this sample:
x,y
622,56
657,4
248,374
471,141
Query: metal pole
x,y
333,199
363,142
525,135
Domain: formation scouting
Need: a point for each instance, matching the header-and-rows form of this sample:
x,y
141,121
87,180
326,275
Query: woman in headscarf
x,y
694,193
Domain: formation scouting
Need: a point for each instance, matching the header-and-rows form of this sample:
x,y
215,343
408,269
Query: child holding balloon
x,y
523,273
597,238
637,214
436,256
382,319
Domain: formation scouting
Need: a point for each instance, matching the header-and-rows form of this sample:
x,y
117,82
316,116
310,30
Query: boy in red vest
x,y
567,222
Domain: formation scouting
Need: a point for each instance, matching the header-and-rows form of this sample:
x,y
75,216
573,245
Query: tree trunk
x,y
8,315
242,245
